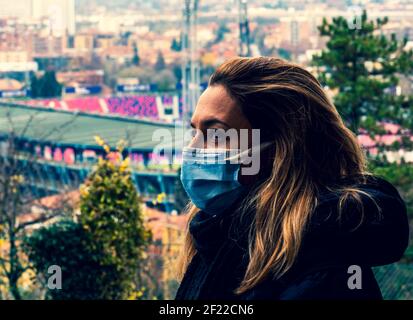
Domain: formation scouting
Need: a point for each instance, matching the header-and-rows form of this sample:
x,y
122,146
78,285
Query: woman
x,y
311,223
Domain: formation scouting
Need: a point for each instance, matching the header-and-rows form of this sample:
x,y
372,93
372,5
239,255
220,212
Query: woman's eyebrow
x,y
207,123
213,121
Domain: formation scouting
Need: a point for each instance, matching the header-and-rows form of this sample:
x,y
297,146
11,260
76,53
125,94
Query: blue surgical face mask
x,y
210,180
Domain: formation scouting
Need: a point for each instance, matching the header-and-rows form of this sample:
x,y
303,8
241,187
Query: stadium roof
x,y
68,128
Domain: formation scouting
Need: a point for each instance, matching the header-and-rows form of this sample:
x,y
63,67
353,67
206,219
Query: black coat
x,y
321,270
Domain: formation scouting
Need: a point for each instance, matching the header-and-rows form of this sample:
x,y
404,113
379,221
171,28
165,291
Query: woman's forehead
x,y
216,103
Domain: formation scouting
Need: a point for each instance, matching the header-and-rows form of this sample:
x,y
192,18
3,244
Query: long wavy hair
x,y
312,149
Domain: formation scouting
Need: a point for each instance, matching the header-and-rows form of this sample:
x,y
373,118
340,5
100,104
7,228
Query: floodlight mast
x,y
244,30
190,61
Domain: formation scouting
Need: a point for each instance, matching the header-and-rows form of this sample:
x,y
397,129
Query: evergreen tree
x,y
135,59
181,198
363,65
160,62
111,214
50,87
46,86
175,45
101,253
220,33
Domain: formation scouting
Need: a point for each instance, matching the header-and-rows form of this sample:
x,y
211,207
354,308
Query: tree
x,y
34,85
46,86
176,45
180,196
160,62
177,71
363,64
110,212
135,59
220,33
143,73
165,80
16,199
284,53
67,245
101,254
124,38
111,70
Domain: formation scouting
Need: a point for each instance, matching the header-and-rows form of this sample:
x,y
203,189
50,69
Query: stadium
x,y
66,155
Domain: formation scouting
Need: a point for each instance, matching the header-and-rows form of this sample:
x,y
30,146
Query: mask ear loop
x,y
235,156
239,157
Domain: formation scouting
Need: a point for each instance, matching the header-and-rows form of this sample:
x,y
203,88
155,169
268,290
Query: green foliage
x,y
180,196
395,281
46,86
220,33
100,254
177,71
110,212
160,62
176,45
135,60
143,73
67,245
363,65
165,80
284,53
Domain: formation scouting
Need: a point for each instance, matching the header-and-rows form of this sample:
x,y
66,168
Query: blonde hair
x,y
312,148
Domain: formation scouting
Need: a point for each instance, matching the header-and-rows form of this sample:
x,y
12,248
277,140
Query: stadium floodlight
x,y
244,30
190,61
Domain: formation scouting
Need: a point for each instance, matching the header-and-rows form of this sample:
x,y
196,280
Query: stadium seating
x,y
88,104
69,156
136,159
135,106
156,107
49,103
